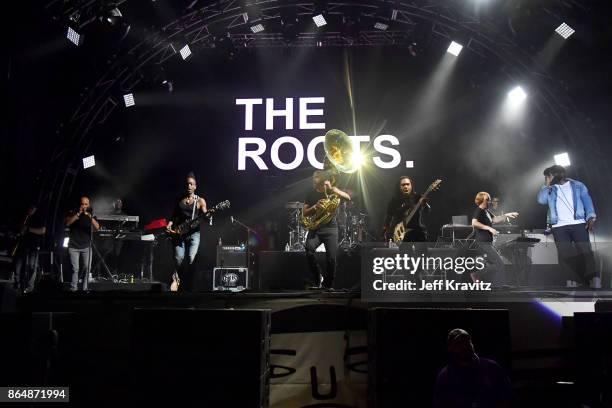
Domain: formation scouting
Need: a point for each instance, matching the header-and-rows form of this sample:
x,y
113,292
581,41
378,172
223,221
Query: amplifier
x,y
230,279
231,256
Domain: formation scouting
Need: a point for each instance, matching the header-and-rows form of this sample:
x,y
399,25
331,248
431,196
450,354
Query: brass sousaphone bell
x,y
339,152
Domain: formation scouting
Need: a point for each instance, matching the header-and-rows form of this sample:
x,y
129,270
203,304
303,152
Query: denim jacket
x,y
583,204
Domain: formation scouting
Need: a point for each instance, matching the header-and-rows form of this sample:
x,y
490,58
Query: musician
x,y
482,221
326,234
188,207
81,223
118,207
572,216
399,206
25,254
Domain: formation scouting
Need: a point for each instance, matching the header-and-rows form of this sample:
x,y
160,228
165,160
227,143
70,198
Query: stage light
x,y
565,31
454,48
381,26
562,159
185,51
169,85
74,37
113,16
89,161
517,95
319,20
358,159
129,100
257,28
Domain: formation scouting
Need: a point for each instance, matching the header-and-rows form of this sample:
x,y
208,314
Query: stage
x,y
296,204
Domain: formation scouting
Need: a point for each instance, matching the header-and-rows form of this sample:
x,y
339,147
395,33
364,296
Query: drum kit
x,y
352,226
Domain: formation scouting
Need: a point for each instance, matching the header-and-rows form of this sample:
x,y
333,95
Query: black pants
x,y
329,237
26,265
574,250
416,234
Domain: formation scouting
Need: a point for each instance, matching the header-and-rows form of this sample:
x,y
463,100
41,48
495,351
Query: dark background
x,y
144,152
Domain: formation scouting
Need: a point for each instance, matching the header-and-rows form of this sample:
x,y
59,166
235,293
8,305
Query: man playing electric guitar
x,y
400,206
189,207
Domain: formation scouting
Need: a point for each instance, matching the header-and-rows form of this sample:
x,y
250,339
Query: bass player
x,y
402,202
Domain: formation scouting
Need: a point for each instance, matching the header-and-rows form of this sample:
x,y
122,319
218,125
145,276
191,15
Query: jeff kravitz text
x,y
390,271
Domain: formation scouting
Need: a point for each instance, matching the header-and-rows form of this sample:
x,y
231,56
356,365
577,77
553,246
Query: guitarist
x,y
189,206
25,252
399,206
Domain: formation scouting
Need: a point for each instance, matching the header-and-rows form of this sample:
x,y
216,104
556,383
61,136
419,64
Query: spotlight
x,y
257,28
129,100
562,159
169,85
358,159
74,37
381,26
565,31
185,51
319,20
517,95
113,16
454,48
89,161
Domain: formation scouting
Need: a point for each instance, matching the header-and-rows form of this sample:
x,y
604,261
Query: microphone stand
x,y
248,229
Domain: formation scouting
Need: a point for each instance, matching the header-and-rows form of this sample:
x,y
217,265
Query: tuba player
x,y
327,233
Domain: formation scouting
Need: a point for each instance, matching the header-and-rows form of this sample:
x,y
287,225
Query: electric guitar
x,y
19,237
189,226
400,230
186,228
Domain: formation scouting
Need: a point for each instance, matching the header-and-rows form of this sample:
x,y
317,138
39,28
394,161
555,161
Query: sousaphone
x,y
339,158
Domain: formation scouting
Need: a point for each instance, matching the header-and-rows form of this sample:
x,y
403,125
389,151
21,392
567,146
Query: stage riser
x,y
279,270
144,357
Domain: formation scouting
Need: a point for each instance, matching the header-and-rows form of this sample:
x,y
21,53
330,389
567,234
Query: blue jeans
x,y
189,245
79,260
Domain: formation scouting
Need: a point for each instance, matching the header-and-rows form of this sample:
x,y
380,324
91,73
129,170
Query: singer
x,y
81,223
572,216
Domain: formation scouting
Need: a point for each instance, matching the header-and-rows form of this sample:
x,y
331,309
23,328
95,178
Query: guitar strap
x,y
195,204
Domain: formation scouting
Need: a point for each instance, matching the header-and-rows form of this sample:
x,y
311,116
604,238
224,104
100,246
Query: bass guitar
x,y
400,230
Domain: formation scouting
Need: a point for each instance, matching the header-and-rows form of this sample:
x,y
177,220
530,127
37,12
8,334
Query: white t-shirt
x,y
565,206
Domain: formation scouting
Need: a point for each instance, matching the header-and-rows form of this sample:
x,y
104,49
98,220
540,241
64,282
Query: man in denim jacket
x,y
572,217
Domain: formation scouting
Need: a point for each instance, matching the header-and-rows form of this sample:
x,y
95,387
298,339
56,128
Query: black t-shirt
x,y
484,217
80,232
312,198
32,241
401,206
